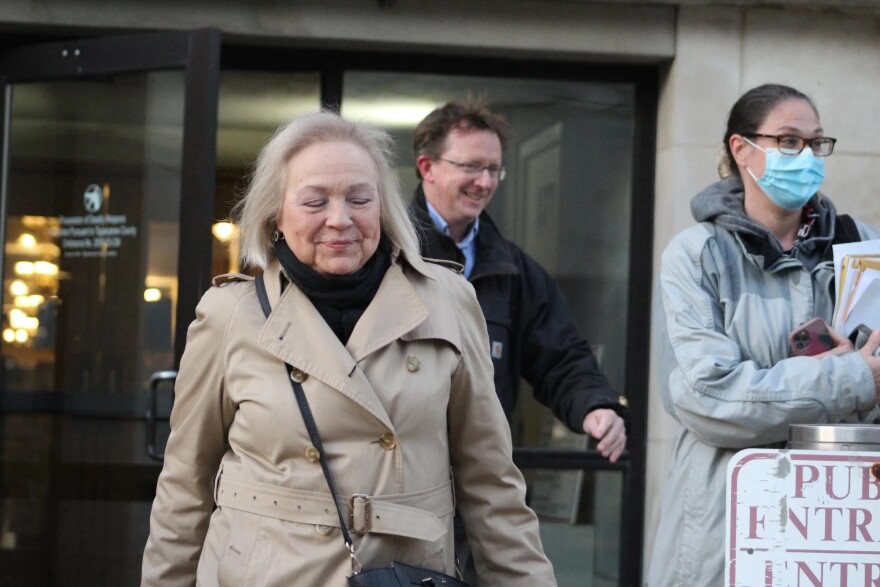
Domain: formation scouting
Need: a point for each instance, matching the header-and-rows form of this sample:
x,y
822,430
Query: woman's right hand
x,y
867,351
842,345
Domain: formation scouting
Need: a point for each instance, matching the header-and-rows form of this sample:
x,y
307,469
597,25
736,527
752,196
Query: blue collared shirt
x,y
468,244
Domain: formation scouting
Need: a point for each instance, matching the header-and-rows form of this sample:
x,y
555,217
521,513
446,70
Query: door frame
x,y
197,54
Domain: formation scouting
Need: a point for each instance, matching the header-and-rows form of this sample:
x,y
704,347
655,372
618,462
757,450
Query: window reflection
x,y
252,105
30,300
91,225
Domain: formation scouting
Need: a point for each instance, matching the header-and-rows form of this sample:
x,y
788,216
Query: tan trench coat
x,y
407,401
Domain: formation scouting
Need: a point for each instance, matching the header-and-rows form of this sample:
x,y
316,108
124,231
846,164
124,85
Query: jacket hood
x,y
722,204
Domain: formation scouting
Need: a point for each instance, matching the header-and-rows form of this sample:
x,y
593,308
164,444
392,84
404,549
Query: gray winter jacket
x,y
728,297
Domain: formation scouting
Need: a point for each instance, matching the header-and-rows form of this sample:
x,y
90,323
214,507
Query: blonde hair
x,y
724,167
257,212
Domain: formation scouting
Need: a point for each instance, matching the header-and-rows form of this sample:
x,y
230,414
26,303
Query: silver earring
x,y
277,236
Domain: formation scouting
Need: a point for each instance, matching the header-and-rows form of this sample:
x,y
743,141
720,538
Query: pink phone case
x,y
811,338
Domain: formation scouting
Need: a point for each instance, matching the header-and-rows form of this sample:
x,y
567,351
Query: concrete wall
x,y
720,54
554,29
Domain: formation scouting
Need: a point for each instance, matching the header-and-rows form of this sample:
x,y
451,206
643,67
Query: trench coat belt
x,y
413,515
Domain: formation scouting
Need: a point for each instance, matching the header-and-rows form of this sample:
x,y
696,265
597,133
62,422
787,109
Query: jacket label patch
x,y
497,349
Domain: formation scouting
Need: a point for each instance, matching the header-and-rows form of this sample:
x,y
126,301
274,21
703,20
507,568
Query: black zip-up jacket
x,y
532,332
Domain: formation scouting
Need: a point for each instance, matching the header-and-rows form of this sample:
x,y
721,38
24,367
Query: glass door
x,y
106,198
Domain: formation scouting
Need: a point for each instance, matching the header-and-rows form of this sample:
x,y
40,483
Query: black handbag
x,y
401,575
396,575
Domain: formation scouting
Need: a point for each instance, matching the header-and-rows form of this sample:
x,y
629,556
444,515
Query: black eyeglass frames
x,y
793,145
475,169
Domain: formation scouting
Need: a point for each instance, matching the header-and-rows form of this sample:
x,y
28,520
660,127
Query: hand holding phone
x,y
811,338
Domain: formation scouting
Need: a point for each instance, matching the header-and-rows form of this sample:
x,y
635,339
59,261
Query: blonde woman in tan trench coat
x,y
393,356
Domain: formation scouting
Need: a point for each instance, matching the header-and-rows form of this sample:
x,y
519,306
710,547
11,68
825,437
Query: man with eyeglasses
x,y
532,333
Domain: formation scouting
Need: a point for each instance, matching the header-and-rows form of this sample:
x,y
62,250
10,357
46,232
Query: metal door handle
x,y
152,419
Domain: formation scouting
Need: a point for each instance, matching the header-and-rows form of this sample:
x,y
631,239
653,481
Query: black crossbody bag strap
x,y
309,421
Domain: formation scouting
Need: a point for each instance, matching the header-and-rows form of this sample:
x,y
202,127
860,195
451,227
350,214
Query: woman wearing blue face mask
x,y
758,264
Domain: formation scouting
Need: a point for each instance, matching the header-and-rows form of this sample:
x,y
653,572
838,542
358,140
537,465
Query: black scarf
x,y
340,299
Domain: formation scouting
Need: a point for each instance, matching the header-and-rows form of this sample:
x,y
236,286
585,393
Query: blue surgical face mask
x,y
790,180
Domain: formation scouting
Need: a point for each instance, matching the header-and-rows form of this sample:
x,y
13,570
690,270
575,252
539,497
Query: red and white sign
x,y
798,518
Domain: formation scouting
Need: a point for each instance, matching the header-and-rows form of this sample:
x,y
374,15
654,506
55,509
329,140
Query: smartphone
x,y
811,338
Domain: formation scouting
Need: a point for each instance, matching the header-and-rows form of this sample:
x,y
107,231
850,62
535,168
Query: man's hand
x,y
607,427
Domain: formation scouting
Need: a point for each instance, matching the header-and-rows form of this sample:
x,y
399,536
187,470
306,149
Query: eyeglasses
x,y
475,169
792,145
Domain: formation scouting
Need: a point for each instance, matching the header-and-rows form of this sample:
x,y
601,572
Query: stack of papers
x,y
857,275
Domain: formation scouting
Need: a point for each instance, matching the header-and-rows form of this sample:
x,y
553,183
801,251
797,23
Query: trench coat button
x,y
313,454
413,363
298,375
387,441
323,530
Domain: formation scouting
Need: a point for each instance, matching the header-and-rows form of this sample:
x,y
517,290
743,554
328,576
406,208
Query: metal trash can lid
x,y
835,433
